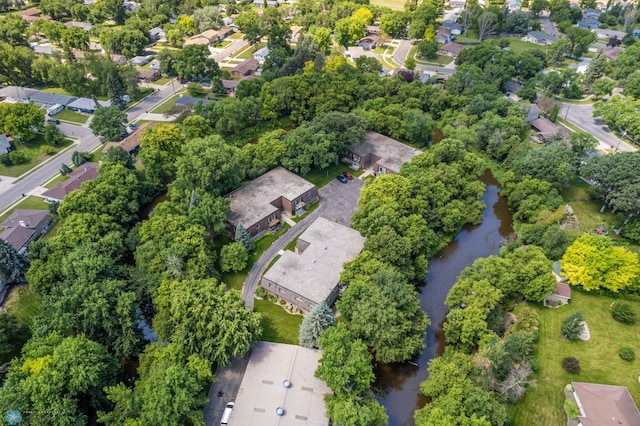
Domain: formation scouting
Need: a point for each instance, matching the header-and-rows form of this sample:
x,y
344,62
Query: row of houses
x,y
46,99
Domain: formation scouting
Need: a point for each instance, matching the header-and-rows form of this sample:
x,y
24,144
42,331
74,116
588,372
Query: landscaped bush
x,y
572,325
261,292
571,365
627,353
47,150
624,313
14,158
571,409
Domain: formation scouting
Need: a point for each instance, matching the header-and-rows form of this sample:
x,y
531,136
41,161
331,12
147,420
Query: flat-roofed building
x,y
257,205
311,274
383,154
263,389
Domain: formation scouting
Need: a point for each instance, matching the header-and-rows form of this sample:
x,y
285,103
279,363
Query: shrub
x,y
627,353
571,408
261,292
569,387
624,313
572,325
47,150
571,365
14,158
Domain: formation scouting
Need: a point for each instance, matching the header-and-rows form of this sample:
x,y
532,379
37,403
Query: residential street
x,y
338,201
85,141
582,116
400,55
401,52
547,24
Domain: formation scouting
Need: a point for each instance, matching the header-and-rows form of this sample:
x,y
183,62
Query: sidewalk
x,y
156,117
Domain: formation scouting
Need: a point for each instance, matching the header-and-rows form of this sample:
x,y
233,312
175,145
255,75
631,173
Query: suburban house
x,y
49,99
154,65
607,33
77,24
245,68
228,21
131,143
279,388
515,5
33,15
148,75
539,37
15,93
533,112
591,13
5,145
368,43
561,296
120,60
544,127
354,52
230,86
77,177
156,34
257,205
311,274
373,30
44,49
209,36
443,35
261,54
636,32
604,405
589,23
296,32
456,29
188,100
78,54
139,61
86,105
24,226
383,154
451,50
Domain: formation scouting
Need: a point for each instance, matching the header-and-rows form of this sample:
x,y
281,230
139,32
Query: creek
x,y
399,384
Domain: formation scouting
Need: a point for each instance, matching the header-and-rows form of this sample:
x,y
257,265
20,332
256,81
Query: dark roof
x,y
50,98
77,177
246,66
21,226
132,141
604,405
563,290
188,100
545,127
30,218
452,47
539,35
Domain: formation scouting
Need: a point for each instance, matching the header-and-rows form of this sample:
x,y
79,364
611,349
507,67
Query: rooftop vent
x,y
280,411
286,383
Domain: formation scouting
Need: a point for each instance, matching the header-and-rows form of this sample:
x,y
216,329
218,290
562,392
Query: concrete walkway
x,y
156,117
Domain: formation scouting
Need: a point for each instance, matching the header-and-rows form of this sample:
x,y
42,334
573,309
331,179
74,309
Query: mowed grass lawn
x,y
32,149
599,359
72,116
277,324
23,303
391,4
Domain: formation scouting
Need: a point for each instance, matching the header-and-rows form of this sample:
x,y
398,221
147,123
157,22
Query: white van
x,y
227,413
54,110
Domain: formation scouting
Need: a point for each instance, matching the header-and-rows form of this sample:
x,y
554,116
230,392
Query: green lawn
x,y
247,53
55,180
599,360
23,303
321,177
391,4
74,117
61,91
166,105
517,45
144,92
28,203
32,149
277,324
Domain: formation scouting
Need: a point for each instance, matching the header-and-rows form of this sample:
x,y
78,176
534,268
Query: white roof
x,y
262,390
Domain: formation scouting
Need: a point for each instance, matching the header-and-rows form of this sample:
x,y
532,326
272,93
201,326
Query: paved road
x,y
582,116
338,201
85,141
225,388
547,24
230,50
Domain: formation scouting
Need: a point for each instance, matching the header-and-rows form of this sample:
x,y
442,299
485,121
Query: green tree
x,y
202,317
593,262
233,257
21,119
13,29
13,335
384,312
316,322
193,62
52,135
109,124
580,40
355,411
169,391
596,69
65,375
75,38
394,23
348,31
427,49
572,325
15,61
249,24
243,237
13,265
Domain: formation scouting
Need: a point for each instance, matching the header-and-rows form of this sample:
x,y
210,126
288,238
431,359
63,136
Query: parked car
x,y
133,126
53,120
226,414
342,179
347,175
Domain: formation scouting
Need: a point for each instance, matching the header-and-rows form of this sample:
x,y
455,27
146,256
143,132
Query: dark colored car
x,y
342,179
53,120
347,175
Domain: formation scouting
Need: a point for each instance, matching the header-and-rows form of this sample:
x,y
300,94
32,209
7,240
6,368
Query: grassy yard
x,y
72,116
599,360
55,180
166,105
248,52
32,149
23,303
321,177
277,324
391,4
61,91
308,209
517,45
28,203
438,60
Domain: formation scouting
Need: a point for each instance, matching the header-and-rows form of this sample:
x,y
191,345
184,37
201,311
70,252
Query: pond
x,y
398,384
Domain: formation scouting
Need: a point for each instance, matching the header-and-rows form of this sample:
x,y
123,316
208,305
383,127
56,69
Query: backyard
x,y
23,303
599,359
33,150
277,324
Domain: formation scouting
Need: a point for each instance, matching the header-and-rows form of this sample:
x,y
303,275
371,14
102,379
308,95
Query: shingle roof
x,y
246,66
88,104
604,405
51,98
132,141
77,177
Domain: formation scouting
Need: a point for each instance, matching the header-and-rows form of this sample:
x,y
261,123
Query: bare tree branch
x,y
486,25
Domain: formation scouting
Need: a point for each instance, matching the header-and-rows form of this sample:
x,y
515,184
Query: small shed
x,y
561,296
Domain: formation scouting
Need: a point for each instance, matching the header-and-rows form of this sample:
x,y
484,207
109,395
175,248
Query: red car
x,y
347,175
